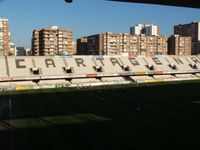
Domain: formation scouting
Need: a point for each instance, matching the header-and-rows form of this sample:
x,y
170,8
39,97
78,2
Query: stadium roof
x,y
182,3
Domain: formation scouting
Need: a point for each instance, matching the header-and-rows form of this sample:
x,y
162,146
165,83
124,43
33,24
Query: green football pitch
x,y
150,117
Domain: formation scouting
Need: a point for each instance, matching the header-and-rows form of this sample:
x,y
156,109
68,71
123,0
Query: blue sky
x,y
86,17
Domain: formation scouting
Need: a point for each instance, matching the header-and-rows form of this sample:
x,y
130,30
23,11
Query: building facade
x,y
147,29
82,46
4,37
179,45
12,49
21,51
111,44
100,44
118,44
52,41
193,30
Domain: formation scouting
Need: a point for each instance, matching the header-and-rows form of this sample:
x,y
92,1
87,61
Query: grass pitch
x,y
159,117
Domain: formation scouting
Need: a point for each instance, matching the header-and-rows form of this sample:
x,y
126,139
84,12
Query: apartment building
x,y
193,30
74,45
52,41
100,44
112,44
20,51
4,37
147,29
161,45
152,45
12,49
180,45
118,44
131,44
82,46
95,45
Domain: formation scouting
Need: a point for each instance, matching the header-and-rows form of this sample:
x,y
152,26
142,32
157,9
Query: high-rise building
x,y
100,44
21,51
13,49
153,45
137,29
74,47
28,52
193,30
4,37
118,44
52,41
179,45
131,44
148,30
81,47
144,45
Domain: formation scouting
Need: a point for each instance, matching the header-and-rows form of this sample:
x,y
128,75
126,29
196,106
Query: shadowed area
x,y
147,117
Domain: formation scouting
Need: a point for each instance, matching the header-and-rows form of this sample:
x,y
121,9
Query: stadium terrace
x,y
22,73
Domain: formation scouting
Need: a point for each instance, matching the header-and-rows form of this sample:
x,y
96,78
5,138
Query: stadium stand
x,y
24,73
4,70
